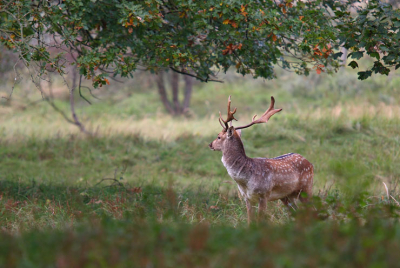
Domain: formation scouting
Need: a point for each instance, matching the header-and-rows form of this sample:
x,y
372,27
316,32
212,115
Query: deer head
x,y
231,134
228,133
225,136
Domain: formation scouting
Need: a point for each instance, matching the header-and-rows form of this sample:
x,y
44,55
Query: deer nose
x,y
210,145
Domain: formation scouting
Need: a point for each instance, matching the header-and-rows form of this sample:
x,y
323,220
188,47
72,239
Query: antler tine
x,y
268,113
230,115
220,122
265,117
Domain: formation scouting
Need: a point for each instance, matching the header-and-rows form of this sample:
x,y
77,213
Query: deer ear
x,y
239,132
230,131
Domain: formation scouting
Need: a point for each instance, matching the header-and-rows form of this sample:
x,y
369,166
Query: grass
x,y
168,201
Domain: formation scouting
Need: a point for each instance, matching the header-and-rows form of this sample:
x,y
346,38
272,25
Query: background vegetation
x,y
145,190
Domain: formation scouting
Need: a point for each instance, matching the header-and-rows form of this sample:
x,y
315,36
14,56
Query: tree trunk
x,y
163,93
175,92
173,106
188,92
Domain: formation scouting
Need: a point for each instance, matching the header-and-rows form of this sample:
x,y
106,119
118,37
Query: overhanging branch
x,y
197,77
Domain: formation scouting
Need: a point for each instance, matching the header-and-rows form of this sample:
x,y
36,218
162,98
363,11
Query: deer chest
x,y
236,172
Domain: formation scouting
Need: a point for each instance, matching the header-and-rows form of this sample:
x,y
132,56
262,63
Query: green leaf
x,y
337,55
364,75
383,48
375,55
353,64
356,55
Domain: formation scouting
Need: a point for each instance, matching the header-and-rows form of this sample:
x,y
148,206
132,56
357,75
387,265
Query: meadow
x,y
146,191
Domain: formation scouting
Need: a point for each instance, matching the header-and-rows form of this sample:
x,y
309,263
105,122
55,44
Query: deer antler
x,y
230,116
265,117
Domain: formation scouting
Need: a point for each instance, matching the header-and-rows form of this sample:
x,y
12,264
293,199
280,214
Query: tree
x,y
196,38
175,107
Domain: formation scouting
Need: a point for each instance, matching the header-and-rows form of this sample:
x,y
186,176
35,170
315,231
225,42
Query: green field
x,y
168,201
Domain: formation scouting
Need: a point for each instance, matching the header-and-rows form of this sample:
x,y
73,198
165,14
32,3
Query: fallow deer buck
x,y
260,180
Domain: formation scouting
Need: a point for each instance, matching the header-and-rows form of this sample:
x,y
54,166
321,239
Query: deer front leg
x,y
262,205
249,211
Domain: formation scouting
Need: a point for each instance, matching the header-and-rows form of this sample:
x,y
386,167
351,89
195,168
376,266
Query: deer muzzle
x,y
211,146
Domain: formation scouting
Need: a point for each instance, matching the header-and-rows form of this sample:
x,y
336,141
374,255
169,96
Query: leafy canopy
x,y
105,37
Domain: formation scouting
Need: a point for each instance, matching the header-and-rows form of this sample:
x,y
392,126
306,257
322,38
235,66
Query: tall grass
x,y
145,190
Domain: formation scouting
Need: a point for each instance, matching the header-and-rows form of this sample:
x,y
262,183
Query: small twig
x,y
80,92
397,202
16,80
59,110
115,180
90,91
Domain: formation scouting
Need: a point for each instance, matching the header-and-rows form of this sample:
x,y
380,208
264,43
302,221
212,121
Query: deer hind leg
x,y
306,193
289,201
285,201
302,195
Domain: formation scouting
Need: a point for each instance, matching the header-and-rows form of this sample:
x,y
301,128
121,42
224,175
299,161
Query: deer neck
x,y
235,160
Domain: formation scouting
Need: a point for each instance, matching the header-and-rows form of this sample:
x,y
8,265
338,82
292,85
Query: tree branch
x,y
72,103
201,79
